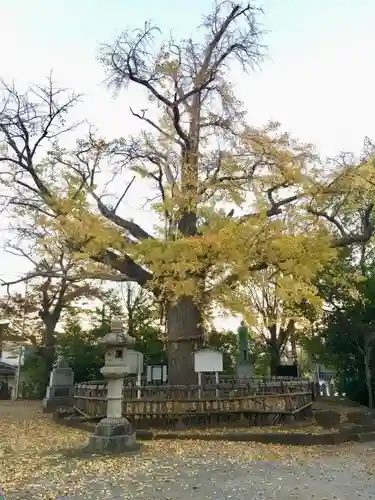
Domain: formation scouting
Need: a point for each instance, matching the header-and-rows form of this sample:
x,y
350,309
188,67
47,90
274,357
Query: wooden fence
x,y
227,387
160,405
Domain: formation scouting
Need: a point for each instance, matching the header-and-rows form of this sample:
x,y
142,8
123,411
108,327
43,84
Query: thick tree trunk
x,y
293,344
274,359
49,344
184,319
185,334
274,349
47,354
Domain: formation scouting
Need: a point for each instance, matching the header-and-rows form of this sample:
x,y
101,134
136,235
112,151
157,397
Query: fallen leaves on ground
x,y
303,429
31,447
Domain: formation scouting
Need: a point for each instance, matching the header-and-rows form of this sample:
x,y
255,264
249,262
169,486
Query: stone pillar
x,y
114,398
114,433
60,389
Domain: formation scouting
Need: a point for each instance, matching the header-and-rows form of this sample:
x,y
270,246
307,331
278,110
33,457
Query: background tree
x,y
344,336
110,306
141,310
141,315
274,314
34,318
199,152
25,323
80,347
144,320
56,283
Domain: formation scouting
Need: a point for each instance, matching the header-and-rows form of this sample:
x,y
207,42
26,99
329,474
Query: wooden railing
x,y
228,388
208,379
168,402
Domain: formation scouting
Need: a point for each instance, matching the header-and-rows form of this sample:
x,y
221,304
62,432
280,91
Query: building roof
x,y
7,368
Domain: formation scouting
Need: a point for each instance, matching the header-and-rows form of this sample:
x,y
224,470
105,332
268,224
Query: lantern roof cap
x,y
117,337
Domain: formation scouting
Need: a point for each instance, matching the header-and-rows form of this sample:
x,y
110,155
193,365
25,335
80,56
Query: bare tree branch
x,y
73,278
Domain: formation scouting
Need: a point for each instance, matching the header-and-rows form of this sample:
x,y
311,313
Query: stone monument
x,y
60,389
244,367
114,433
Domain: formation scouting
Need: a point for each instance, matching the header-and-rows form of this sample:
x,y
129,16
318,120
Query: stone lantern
x,y
114,433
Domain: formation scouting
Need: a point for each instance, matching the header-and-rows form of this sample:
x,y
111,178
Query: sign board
x,y
208,360
134,361
156,373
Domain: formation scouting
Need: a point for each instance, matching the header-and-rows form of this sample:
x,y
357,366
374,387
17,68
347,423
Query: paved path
x,y
341,477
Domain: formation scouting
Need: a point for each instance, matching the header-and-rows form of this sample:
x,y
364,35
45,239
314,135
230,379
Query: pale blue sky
x,y
318,81
78,24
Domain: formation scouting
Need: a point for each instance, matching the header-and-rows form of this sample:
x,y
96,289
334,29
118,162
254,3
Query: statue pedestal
x,y
244,370
60,390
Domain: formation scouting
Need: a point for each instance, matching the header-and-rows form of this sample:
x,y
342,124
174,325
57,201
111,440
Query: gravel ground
x,y
340,476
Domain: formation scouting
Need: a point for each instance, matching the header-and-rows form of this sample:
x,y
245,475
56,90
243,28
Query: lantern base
x,y
113,435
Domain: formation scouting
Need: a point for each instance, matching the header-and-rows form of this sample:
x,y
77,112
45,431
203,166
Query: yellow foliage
x,y
227,253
